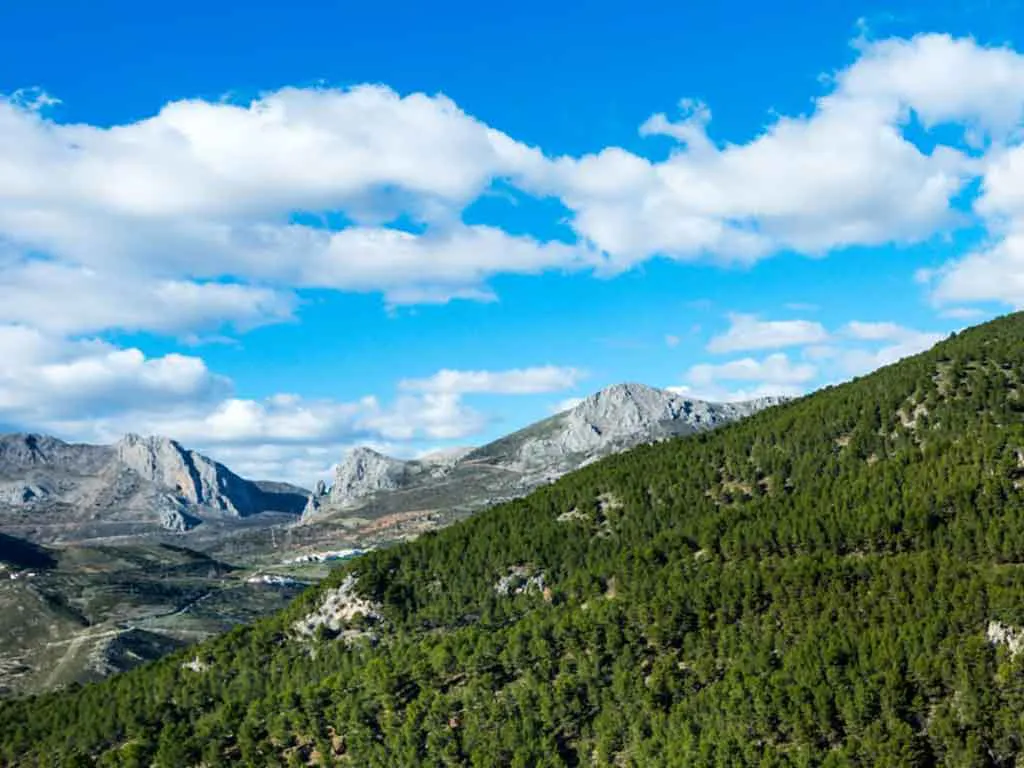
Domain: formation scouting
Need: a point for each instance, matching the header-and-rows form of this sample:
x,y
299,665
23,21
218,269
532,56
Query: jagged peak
x,y
644,393
152,441
366,452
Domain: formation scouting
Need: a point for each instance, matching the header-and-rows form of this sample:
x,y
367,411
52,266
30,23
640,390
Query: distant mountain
x,y
52,490
614,419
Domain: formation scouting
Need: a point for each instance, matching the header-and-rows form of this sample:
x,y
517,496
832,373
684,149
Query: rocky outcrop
x,y
617,418
54,490
364,472
338,607
1006,635
315,501
191,476
612,420
20,494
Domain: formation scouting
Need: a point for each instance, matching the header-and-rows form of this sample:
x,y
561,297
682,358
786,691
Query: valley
x,y
145,547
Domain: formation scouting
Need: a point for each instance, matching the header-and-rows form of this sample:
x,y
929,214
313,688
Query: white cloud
x,y
942,79
992,274
671,341
869,331
856,348
519,381
566,405
746,332
896,342
158,212
856,362
44,379
773,369
844,175
73,300
962,313
365,150
296,189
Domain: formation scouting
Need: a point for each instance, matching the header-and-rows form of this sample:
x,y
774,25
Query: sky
x,y
273,231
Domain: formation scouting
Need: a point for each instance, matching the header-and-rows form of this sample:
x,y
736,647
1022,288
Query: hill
x,y
836,581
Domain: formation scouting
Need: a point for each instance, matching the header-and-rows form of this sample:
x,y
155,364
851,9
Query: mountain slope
x,y
611,420
52,490
836,581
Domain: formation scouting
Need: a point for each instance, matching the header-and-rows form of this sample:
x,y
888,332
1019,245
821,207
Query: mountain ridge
x,y
135,485
612,419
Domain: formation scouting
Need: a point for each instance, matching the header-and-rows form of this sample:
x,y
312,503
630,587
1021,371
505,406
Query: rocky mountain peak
x,y
614,419
29,449
190,475
365,471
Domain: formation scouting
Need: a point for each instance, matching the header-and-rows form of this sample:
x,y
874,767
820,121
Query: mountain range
x,y
121,553
614,419
836,581
55,491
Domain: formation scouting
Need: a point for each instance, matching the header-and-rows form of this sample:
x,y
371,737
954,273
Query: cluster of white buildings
x,y
323,557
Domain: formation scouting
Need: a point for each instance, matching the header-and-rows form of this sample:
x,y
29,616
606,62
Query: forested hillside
x,y
835,581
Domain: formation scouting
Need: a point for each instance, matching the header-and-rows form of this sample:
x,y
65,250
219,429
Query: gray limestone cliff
x,y
364,471
614,419
58,491
191,476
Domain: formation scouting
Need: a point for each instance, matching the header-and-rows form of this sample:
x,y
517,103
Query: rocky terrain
x,y
53,491
83,611
615,419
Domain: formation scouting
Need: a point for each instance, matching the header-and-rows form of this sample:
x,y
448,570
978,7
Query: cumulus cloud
x,y
300,188
213,212
46,379
775,369
747,332
856,348
519,381
366,150
995,273
65,299
846,174
860,347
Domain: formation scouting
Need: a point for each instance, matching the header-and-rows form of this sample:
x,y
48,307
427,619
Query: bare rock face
x,y
612,420
20,494
622,416
364,472
190,475
56,491
338,607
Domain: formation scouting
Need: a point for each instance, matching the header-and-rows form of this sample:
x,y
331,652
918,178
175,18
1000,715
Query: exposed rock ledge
x,y
339,606
1004,634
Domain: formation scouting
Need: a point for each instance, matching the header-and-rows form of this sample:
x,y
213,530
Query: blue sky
x,y
275,231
